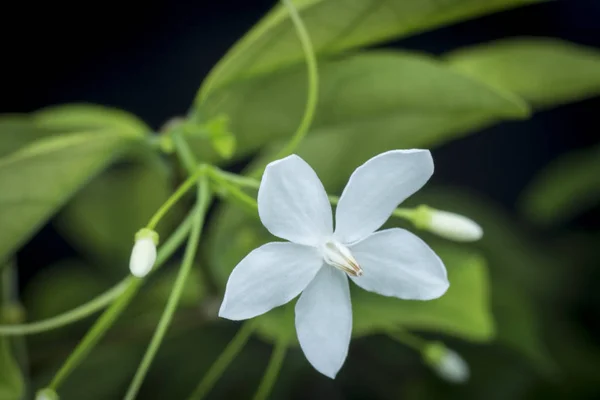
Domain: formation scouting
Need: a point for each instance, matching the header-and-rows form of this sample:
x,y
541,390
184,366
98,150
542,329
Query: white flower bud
x,y
453,368
452,226
143,255
447,364
46,394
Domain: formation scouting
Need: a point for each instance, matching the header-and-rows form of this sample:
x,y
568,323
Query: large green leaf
x,y
464,310
82,116
103,217
394,98
522,273
17,130
11,379
337,25
38,179
543,71
566,187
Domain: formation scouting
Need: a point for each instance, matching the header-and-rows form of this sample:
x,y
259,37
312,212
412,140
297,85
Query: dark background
x,y
150,58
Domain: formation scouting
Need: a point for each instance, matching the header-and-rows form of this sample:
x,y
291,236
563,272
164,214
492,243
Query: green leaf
x,y
78,117
523,274
12,385
464,311
61,287
397,98
38,179
104,216
568,186
338,25
543,71
17,130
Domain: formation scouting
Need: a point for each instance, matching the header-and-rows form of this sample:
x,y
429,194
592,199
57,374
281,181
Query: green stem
x,y
272,372
104,299
68,317
409,340
175,296
174,198
95,333
184,152
221,363
313,84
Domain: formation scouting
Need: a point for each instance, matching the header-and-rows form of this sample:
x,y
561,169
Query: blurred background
x,y
150,60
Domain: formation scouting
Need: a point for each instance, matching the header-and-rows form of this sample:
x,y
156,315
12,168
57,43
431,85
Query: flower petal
x,y
397,263
376,188
324,321
268,277
292,202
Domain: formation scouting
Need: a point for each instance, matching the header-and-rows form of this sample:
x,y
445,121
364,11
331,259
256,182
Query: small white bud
x,y
449,225
453,368
143,255
447,364
46,394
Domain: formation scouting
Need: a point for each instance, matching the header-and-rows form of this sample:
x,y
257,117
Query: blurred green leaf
x,y
338,25
12,385
16,130
380,98
522,272
38,179
464,310
103,217
568,186
543,71
60,287
80,117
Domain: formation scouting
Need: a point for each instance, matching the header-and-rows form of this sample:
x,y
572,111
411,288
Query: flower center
x,y
339,256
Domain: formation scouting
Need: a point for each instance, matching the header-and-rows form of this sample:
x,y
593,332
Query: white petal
x,y
143,257
292,202
268,277
324,321
376,188
397,263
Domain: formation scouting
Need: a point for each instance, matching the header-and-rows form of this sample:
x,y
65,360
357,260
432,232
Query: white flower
x,y
453,226
452,367
143,254
293,205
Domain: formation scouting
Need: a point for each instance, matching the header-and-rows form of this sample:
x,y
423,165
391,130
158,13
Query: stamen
x,y
339,256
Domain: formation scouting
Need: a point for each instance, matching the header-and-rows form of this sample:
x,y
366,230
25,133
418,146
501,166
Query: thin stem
x,y
272,372
183,188
239,180
104,299
409,340
95,333
184,152
313,84
68,317
165,319
221,363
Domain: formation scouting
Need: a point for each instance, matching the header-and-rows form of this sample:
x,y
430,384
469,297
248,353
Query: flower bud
x,y
449,225
143,254
46,394
447,364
